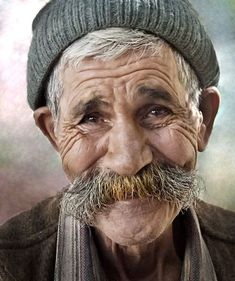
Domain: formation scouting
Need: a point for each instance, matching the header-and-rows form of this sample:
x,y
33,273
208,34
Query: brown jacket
x,y
28,242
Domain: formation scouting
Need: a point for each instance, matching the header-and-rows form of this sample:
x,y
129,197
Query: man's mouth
x,y
142,192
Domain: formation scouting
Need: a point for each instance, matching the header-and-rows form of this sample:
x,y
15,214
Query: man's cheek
x,y
175,144
81,157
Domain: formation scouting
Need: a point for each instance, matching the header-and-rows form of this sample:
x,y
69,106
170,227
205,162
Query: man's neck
x,y
158,260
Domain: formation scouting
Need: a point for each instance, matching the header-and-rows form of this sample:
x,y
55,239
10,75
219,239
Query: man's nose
x,y
128,151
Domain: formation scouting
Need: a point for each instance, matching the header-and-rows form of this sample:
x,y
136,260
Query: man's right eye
x,y
90,118
93,118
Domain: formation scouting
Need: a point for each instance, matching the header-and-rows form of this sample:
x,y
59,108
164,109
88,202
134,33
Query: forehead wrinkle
x,y
106,73
121,71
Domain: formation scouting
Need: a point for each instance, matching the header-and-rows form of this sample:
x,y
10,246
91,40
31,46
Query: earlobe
x,y
44,120
209,105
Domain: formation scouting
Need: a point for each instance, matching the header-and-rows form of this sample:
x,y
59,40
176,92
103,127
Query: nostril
x,y
128,161
127,149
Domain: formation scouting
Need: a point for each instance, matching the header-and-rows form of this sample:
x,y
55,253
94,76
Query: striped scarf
x,y
77,259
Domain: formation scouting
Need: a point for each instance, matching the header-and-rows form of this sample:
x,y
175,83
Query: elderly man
x,y
125,92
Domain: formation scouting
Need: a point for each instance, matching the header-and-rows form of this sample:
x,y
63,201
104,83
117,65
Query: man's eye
x,y
158,111
90,118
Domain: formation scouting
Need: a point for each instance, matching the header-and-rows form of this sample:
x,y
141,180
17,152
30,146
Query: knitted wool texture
x,y
61,22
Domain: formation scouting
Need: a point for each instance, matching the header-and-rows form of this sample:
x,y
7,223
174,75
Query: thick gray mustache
x,y
89,195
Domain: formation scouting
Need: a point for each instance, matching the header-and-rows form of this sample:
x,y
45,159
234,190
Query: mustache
x,y
89,195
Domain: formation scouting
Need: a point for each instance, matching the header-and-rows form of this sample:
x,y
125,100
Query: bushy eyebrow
x,y
87,106
95,102
155,93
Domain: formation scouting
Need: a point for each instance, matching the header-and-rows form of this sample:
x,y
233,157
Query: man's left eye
x,y
159,111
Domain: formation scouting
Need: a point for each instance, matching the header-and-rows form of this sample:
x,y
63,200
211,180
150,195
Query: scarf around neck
x,y
77,258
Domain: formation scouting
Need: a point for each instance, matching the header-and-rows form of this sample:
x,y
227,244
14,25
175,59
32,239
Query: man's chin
x,y
136,220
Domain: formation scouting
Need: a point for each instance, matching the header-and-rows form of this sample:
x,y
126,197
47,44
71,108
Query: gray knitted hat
x,y
61,22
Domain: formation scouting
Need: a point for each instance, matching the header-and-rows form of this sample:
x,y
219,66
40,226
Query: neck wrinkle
x,y
150,261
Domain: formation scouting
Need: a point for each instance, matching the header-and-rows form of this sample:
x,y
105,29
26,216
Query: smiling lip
x,y
137,207
136,202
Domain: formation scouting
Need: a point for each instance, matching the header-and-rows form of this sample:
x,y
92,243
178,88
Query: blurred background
x,y
30,170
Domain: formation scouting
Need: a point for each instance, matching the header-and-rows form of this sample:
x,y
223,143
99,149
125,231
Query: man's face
x,y
120,116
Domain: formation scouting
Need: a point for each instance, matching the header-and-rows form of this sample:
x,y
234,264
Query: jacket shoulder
x,y
216,222
28,243
31,226
218,230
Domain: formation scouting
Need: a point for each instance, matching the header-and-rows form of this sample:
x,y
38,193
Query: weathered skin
x,y
126,135
120,116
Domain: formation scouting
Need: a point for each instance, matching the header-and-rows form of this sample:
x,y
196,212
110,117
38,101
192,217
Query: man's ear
x,y
209,105
44,120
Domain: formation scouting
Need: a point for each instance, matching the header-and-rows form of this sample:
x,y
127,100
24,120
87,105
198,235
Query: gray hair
x,y
111,43
87,197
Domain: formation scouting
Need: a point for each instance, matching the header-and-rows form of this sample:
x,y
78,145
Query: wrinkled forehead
x,y
127,74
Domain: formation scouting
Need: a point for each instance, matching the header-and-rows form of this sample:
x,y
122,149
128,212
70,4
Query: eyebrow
x,y
97,101
87,106
155,93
